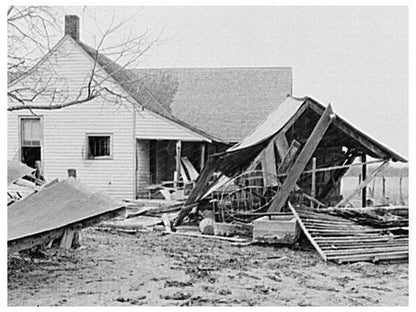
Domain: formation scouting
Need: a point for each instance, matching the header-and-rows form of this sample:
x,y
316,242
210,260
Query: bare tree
x,y
44,87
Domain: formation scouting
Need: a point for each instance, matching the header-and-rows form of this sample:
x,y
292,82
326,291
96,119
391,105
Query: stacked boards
x,y
342,240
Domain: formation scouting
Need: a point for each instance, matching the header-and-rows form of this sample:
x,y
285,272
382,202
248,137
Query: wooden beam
x,y
313,186
288,158
66,240
178,161
203,152
364,183
268,164
302,160
364,175
306,232
282,145
354,134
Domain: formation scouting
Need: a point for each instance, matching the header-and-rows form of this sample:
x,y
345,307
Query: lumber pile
x,y
341,240
379,217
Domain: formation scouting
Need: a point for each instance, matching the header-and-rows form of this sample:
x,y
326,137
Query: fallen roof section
x,y
17,170
57,206
296,119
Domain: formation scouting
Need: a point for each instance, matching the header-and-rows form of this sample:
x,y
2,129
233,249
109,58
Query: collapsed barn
x,y
294,162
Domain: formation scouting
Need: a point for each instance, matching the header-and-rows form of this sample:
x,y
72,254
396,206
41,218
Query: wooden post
x,y
39,170
313,185
302,160
71,235
364,173
203,151
178,162
383,190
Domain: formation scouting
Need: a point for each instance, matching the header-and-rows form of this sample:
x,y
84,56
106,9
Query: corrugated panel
x,y
152,126
65,130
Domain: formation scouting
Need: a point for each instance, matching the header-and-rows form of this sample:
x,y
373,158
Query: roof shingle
x,y
227,103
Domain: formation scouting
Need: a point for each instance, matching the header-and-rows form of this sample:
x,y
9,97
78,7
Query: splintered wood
x,y
342,240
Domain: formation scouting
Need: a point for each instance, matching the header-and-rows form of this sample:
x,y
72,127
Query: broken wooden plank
x,y
367,246
372,257
268,164
166,222
302,160
306,232
193,174
282,146
364,183
289,157
223,238
66,240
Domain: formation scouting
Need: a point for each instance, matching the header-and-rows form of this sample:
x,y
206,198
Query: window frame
x,y
87,144
20,133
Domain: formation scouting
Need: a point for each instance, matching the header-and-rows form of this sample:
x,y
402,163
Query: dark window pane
x,y
98,146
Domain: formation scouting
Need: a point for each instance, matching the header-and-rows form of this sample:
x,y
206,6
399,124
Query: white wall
x,y
64,131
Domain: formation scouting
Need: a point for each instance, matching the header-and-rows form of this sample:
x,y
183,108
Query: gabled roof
x,y
135,87
289,109
225,102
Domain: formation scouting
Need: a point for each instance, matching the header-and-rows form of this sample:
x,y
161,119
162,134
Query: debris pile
x,y
256,181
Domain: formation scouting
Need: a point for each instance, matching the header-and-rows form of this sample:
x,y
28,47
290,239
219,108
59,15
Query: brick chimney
x,y
72,26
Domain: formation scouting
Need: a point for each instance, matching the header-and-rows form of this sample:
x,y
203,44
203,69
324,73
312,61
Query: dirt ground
x,y
114,268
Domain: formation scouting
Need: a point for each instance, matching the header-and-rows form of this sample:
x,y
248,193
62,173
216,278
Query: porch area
x,y
167,169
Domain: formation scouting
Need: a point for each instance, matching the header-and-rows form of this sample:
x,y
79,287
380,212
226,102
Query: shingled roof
x,y
141,89
224,104
227,103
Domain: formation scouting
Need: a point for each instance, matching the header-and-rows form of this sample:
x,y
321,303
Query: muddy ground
x,y
114,268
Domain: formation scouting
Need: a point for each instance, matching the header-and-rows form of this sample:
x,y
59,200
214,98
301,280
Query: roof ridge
x,y
166,114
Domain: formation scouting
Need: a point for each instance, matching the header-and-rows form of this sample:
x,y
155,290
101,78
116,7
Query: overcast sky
x,y
355,58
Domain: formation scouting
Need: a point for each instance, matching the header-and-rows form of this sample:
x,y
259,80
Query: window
x,y
99,146
30,140
31,132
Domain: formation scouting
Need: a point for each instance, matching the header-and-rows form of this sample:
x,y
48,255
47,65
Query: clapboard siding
x,y
152,126
64,130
